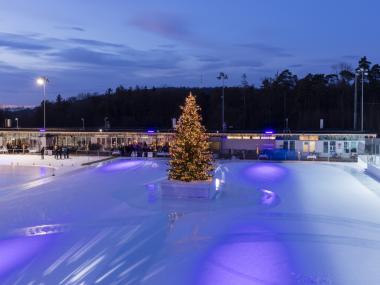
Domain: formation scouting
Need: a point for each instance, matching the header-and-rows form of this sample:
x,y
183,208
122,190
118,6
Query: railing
x,y
285,155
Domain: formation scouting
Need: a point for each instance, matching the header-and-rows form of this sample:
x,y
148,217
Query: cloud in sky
x,y
72,28
166,25
267,49
94,43
99,45
21,42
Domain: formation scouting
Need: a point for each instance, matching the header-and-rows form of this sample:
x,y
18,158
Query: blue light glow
x,y
265,172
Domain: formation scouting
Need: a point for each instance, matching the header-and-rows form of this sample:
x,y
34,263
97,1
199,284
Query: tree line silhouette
x,y
302,102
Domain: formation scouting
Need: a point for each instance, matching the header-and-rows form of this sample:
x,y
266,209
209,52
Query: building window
x,y
353,146
286,145
332,146
325,147
346,147
292,145
305,147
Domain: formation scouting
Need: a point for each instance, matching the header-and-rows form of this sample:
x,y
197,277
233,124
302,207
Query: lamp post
x,y
42,81
16,119
222,76
363,72
82,119
356,100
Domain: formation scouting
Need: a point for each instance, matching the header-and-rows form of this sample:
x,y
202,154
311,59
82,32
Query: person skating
x,y
43,152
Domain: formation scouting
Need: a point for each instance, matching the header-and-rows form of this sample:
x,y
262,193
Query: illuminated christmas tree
x,y
190,156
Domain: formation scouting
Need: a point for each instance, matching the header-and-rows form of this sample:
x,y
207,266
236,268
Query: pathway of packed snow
x,y
275,223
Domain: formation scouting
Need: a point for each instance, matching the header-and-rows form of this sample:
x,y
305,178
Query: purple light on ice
x,y
264,172
17,251
42,130
43,171
122,165
269,132
151,131
249,255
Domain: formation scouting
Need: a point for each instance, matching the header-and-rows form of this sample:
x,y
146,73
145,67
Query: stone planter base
x,y
187,190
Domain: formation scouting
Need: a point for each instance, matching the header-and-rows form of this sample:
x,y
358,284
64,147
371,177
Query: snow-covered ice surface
x,y
275,223
14,174
21,168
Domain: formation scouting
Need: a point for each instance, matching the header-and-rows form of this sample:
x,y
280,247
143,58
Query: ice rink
x,y
274,223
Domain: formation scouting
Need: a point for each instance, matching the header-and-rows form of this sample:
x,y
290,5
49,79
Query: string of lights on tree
x,y
190,156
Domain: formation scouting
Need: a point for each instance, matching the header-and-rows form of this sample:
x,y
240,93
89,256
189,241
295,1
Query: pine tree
x,y
190,156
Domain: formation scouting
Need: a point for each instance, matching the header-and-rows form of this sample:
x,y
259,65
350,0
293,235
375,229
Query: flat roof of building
x,y
169,132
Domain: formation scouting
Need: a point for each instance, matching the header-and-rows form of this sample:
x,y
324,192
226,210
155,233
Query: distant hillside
x,y
302,102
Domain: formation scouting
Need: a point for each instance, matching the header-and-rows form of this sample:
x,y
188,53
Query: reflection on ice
x,y
269,198
83,270
241,258
15,252
122,165
43,230
265,172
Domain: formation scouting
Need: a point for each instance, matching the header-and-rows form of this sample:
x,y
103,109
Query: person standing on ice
x,y
56,152
43,152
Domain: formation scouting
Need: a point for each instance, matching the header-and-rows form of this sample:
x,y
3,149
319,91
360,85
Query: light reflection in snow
x,y
43,230
264,172
217,184
269,198
121,165
15,252
246,256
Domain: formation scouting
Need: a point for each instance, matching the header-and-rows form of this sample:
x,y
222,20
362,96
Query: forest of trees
x,y
304,101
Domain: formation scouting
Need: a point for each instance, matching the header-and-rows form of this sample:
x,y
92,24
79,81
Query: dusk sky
x,y
91,45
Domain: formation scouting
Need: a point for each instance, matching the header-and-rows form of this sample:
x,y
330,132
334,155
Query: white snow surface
x,y
20,168
274,223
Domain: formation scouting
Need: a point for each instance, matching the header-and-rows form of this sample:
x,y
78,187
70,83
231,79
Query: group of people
x,y
58,151
61,151
141,149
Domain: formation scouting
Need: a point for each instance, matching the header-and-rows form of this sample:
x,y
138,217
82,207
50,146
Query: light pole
x,y
82,119
356,100
222,76
106,122
16,119
363,72
42,81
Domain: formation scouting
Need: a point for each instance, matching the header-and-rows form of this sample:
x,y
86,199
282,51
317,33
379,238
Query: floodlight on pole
x,y
363,72
42,81
356,100
222,76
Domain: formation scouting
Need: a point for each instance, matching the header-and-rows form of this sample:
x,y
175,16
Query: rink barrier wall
x,y
374,171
